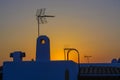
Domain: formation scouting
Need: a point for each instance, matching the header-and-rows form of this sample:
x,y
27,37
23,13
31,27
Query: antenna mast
x,y
88,58
41,18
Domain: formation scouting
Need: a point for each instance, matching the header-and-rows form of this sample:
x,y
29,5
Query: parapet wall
x,y
54,70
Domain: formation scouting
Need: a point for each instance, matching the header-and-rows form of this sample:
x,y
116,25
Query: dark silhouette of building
x,y
0,72
119,60
114,61
99,72
44,69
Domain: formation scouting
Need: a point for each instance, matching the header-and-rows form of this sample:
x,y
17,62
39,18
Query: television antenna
x,y
88,58
41,18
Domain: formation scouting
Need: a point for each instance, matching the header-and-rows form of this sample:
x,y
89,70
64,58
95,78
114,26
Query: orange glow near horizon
x,y
94,30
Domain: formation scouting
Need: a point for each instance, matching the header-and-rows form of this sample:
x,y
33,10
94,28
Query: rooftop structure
x,y
44,69
40,69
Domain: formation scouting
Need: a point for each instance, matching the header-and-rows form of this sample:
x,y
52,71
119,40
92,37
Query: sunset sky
x,y
90,26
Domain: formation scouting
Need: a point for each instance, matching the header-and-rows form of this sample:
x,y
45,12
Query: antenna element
x,y
41,18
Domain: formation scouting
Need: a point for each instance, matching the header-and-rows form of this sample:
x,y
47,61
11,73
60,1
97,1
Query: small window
x,y
42,41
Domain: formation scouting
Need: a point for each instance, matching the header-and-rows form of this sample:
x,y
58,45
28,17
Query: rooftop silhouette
x,y
44,69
